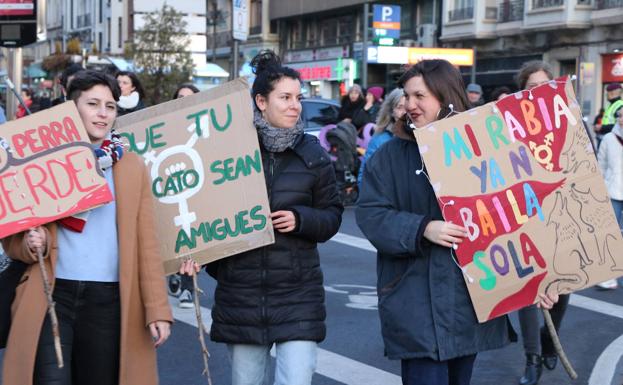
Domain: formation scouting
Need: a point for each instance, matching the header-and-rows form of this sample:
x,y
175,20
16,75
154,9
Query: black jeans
x,y
425,371
530,324
89,322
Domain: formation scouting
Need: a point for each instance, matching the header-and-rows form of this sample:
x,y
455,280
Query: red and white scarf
x,y
109,153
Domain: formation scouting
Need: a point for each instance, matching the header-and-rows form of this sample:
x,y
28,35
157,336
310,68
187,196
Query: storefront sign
x,y
412,55
612,68
521,176
337,70
206,174
587,73
47,170
317,54
386,21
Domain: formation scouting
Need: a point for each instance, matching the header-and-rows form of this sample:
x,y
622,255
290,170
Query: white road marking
x,y
604,370
332,365
605,367
351,240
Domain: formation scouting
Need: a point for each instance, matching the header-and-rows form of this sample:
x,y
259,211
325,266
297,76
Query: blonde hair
x,y
385,119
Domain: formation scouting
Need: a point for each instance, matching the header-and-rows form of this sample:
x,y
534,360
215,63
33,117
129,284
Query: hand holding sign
x,y
444,233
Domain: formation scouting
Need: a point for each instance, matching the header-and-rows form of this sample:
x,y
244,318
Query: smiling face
x,y
422,106
98,110
536,79
125,83
282,107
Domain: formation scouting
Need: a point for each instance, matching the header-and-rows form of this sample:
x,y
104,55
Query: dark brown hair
x,y
528,68
443,80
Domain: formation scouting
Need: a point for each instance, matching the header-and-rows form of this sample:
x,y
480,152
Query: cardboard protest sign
x,y
522,177
47,170
206,173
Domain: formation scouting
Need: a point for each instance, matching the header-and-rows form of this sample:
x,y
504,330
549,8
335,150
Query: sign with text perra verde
x,y
206,173
47,170
521,176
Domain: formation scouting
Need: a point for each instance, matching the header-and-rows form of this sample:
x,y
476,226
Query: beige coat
x,y
141,283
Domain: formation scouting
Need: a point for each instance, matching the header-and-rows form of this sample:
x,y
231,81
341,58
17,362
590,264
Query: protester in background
x,y
500,93
181,286
614,98
474,95
108,276
185,89
399,214
393,108
132,93
597,122
274,295
537,343
66,76
26,95
368,113
610,158
352,102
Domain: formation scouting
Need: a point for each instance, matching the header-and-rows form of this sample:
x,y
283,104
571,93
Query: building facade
x,y
577,37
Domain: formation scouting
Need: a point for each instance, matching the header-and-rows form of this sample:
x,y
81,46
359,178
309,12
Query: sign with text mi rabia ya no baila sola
x,y
203,156
47,170
521,176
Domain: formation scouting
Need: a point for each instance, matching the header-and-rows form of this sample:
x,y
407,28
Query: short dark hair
x,y
135,82
69,71
528,68
495,94
443,80
27,91
87,79
268,70
190,86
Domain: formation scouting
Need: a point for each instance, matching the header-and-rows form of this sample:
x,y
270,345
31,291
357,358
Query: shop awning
x,y
121,63
35,71
210,70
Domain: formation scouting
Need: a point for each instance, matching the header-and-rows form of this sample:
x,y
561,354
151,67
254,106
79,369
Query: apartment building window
x,y
328,32
537,4
120,38
255,17
312,34
510,10
345,29
463,10
607,4
108,33
297,40
100,37
71,12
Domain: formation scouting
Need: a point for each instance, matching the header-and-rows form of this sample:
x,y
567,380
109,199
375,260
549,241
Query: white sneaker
x,y
186,300
610,284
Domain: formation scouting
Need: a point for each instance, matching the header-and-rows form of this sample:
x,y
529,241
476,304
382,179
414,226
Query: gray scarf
x,y
276,139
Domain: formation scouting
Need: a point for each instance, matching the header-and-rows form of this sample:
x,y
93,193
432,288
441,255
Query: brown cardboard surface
x,y
521,175
47,170
208,184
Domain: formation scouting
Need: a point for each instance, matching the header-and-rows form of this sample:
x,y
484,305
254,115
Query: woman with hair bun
x,y
274,295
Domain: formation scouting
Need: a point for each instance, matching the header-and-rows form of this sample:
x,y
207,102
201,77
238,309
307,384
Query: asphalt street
x,y
592,332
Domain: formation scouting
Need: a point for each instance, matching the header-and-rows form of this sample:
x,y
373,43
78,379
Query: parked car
x,y
317,113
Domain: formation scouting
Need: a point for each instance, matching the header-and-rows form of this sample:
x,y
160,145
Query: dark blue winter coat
x,y
424,305
275,293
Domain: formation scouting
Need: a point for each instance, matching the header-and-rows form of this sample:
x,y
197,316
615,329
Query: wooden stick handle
x,y
204,348
51,309
556,341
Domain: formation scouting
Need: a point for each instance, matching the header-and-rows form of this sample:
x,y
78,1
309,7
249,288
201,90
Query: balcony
x,y
608,4
511,11
607,12
539,4
461,14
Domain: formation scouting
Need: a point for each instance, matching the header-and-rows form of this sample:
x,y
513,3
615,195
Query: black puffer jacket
x,y
275,293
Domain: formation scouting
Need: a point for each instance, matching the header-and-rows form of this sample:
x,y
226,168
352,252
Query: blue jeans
x,y
425,371
618,209
296,363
